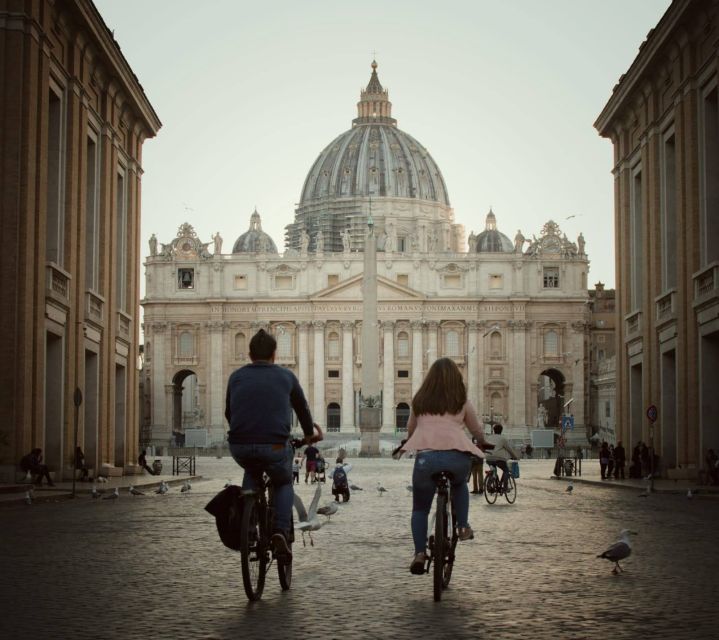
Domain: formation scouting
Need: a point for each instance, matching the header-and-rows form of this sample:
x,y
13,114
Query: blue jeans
x,y
427,463
276,461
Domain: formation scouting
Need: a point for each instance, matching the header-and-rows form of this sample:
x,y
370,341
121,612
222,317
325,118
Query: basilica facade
x,y
513,314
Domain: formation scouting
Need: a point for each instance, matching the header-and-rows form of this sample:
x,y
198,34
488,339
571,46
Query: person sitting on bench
x,y
142,461
32,463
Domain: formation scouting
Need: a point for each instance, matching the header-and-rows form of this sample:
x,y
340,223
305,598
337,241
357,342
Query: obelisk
x,y
370,413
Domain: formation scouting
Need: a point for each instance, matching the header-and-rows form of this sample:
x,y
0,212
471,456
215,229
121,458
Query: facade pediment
x,y
351,289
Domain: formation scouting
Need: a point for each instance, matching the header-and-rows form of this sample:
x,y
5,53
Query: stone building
x,y
663,120
74,121
512,314
601,361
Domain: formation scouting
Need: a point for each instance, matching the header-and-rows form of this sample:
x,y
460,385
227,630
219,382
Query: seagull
x,y
619,550
135,492
112,496
186,487
328,510
574,215
95,492
309,522
354,487
381,489
101,479
645,493
162,489
570,488
28,497
494,327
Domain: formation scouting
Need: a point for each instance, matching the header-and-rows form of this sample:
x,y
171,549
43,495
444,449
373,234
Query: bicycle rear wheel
x,y
511,492
440,545
253,549
284,569
451,537
490,489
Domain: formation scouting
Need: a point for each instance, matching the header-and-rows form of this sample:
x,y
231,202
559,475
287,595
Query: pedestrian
x,y
477,471
645,456
712,461
635,471
142,461
529,450
604,459
610,464
80,464
620,457
32,463
311,455
296,471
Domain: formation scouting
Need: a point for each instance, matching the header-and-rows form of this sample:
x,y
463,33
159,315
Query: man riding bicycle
x,y
259,403
502,452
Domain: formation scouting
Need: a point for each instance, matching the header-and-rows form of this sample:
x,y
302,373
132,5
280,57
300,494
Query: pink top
x,y
444,432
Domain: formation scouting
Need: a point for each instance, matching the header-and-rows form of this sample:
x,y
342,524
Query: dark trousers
x,y
619,470
603,470
147,468
477,477
41,471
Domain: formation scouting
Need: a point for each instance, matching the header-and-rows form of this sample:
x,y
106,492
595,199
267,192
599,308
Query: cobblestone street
x,y
153,567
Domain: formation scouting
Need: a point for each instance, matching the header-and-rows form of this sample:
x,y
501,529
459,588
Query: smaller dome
x,y
255,240
491,240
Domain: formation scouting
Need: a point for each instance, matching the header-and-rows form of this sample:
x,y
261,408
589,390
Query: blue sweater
x,y
259,404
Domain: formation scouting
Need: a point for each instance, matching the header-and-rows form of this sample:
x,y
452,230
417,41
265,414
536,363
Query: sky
x,y
502,94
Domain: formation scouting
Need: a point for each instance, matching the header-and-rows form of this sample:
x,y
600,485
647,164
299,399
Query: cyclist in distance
x,y
501,453
435,430
259,404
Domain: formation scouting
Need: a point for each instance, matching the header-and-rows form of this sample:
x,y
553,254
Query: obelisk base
x,y
370,425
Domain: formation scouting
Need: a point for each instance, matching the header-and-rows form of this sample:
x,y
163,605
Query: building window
x,y
402,345
185,278
284,282
186,347
403,279
121,246
403,373
92,223
333,416
669,212
452,281
55,225
607,409
333,373
495,345
240,346
401,416
551,278
600,354
636,247
495,281
241,282
551,343
332,279
401,244
451,343
709,191
333,346
284,345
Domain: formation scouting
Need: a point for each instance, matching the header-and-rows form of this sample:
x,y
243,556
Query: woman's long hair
x,y
442,391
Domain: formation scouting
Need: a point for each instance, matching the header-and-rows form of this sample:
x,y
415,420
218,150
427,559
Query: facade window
x,y
709,192
186,347
185,278
333,373
403,373
669,212
600,354
401,244
284,282
121,246
401,416
453,281
451,343
241,282
334,416
403,279
551,278
240,346
284,345
333,346
92,223
607,409
402,345
55,227
551,343
495,345
332,279
495,281
636,238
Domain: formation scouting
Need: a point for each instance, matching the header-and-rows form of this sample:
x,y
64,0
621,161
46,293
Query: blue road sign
x,y
567,423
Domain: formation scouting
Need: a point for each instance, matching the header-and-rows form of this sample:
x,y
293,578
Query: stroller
x,y
320,475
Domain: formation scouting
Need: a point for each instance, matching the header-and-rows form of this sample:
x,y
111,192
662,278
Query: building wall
x,y
664,124
75,119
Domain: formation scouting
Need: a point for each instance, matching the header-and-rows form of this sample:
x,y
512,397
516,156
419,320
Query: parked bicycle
x,y
493,485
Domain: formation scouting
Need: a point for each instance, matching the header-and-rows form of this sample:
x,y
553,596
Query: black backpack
x,y
339,479
227,507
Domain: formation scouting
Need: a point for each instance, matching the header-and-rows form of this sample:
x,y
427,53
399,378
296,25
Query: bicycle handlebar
x,y
315,437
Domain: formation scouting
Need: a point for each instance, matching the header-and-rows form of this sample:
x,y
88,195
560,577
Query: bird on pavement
x,y
101,479
112,496
95,492
619,550
28,497
328,510
309,521
186,487
135,492
570,488
354,487
162,489
380,489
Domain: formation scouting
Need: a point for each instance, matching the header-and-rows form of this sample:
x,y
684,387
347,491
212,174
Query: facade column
x,y
417,353
472,392
388,377
318,407
160,426
303,361
216,381
348,422
519,391
479,358
508,415
432,353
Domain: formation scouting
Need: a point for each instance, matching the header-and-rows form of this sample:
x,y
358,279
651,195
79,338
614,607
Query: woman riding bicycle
x,y
440,410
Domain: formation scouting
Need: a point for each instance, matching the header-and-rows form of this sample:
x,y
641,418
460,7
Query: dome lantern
x,y
374,106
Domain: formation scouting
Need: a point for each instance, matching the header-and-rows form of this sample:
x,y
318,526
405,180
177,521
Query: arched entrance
x,y
550,398
185,404
333,416
401,416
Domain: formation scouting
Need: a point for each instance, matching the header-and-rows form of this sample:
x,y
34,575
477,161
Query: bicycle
x,y
255,538
493,485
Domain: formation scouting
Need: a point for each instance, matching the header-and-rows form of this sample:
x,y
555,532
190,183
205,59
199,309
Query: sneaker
x,y
417,566
465,533
281,547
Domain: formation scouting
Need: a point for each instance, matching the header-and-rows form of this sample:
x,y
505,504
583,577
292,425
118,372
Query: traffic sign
x,y
652,413
567,423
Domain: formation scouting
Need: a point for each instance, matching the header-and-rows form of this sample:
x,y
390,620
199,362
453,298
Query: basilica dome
x,y
255,240
491,240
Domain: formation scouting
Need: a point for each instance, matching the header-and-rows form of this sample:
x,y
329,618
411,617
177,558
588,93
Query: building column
x,y
518,393
481,338
160,428
348,422
388,377
472,392
303,361
216,382
417,353
432,353
318,408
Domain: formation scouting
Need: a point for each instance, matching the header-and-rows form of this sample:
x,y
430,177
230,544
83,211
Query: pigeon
x,y
380,489
570,488
162,489
354,487
28,497
135,492
186,487
328,510
619,550
112,496
95,492
309,521
101,479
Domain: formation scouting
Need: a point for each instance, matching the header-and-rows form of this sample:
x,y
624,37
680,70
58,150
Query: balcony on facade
x,y
57,284
633,325
706,285
665,306
94,308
